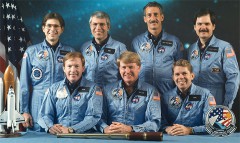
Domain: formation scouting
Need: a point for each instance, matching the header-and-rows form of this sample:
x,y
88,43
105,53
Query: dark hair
x,y
72,55
203,12
153,4
53,15
129,57
182,63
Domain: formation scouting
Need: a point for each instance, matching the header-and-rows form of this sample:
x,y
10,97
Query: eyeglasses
x,y
52,25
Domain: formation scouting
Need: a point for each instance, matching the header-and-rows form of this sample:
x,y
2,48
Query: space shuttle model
x,y
9,103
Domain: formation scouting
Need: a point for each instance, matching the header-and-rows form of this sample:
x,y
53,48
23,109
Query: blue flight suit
x,y
102,68
217,70
142,110
157,61
190,112
41,67
80,110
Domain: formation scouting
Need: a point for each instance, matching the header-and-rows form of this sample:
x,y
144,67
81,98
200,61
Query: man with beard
x,y
185,106
158,50
41,67
214,61
130,105
102,51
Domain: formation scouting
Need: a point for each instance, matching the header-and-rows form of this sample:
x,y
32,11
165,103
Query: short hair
x,y
203,12
53,15
153,4
101,15
129,57
182,63
72,55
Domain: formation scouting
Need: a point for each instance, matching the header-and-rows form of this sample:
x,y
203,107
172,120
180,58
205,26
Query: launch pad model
x,y
144,136
9,105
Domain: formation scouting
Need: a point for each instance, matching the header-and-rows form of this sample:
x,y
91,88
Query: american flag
x,y
14,36
221,116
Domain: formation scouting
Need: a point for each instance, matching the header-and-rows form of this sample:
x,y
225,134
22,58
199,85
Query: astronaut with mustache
x,y
158,49
214,61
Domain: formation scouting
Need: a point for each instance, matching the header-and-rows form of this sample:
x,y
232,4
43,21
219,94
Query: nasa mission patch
x,y
220,121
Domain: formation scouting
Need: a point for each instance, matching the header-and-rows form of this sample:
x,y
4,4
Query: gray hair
x,y
101,15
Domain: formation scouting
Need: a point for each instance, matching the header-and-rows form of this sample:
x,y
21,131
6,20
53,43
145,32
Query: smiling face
x,y
99,28
204,27
73,69
129,72
52,30
182,77
153,18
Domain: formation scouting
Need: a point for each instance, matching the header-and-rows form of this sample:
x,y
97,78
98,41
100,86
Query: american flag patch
x,y
156,96
211,101
98,91
229,52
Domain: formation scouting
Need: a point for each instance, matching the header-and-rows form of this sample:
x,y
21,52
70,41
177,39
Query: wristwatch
x,y
70,130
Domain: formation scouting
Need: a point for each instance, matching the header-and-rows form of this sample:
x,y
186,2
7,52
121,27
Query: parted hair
x,y
129,57
72,55
53,15
182,63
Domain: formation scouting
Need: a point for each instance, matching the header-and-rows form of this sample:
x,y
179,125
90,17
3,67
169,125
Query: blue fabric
x,y
41,67
102,68
141,110
156,62
176,110
218,70
80,110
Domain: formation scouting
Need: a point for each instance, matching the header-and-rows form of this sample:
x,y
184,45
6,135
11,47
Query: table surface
x,y
37,137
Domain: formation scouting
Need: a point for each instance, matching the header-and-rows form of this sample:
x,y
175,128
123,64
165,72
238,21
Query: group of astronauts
x,y
106,88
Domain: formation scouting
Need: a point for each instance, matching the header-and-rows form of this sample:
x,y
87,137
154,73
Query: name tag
x,y
212,49
166,43
83,89
194,98
108,50
62,52
141,93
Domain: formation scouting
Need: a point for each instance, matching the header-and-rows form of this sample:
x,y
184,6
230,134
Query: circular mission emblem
x,y
220,121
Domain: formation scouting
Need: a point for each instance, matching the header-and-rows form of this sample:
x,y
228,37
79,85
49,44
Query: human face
x,y
73,69
99,29
154,18
52,30
204,27
129,72
182,78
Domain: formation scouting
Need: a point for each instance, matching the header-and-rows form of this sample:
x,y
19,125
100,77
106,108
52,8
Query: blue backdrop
x,y
127,21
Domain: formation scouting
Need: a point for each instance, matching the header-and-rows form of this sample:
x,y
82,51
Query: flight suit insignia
x,y
43,55
207,56
145,47
135,99
176,101
194,54
161,49
104,56
61,93
89,50
188,106
117,93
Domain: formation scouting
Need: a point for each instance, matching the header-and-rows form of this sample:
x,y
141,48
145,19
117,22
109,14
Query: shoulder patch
x,y
211,101
98,91
229,52
156,96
